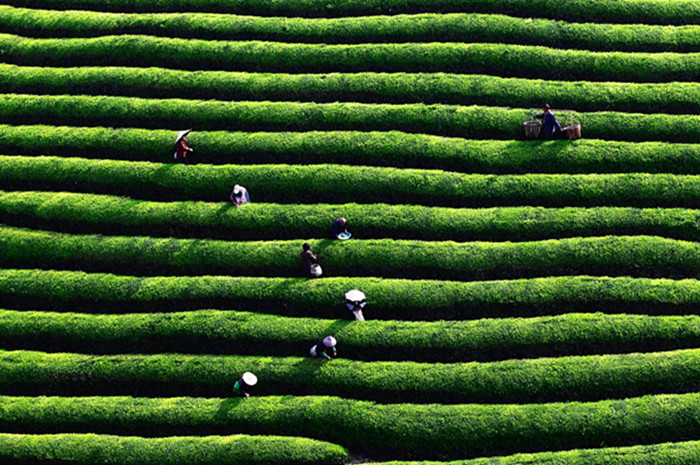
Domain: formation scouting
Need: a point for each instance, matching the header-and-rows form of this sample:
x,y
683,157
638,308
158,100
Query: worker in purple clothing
x,y
550,125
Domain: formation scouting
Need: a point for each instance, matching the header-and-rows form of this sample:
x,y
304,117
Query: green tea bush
x,y
427,27
339,184
144,255
460,89
391,148
682,453
215,331
469,122
120,215
390,298
89,449
609,11
544,379
462,58
448,431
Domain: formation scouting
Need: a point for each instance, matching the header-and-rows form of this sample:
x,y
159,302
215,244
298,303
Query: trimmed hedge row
x,y
144,255
676,97
680,453
119,215
369,148
499,59
389,298
214,331
429,27
609,11
449,431
365,148
89,449
339,184
470,122
545,379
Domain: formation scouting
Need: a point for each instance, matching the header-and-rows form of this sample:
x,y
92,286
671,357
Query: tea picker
x,y
308,262
181,148
550,125
325,348
355,301
243,386
239,195
339,229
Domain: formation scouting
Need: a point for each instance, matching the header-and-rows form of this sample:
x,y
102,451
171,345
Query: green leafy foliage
x,y
465,121
426,27
498,59
390,298
338,184
675,97
609,11
453,430
247,333
89,449
380,104
144,255
111,215
393,148
682,453
544,379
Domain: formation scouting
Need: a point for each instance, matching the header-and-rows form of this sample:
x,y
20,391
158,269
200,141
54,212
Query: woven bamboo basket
x,y
532,129
573,130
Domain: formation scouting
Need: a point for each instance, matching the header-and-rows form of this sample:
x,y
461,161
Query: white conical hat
x,y
182,134
249,378
329,341
355,295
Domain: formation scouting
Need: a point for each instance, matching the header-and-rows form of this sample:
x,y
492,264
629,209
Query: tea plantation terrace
x,y
529,301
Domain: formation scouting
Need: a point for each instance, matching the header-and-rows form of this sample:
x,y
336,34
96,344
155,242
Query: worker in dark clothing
x,y
550,125
244,384
339,227
308,262
325,348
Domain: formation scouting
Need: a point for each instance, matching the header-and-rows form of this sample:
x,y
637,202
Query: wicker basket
x,y
573,131
532,129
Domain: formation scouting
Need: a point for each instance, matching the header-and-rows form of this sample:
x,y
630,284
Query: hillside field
x,y
530,301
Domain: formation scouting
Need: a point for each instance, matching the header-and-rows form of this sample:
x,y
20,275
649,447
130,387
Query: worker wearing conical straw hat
x,y
243,386
355,300
239,195
182,151
325,348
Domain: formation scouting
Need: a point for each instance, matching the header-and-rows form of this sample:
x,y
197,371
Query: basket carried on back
x,y
532,129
